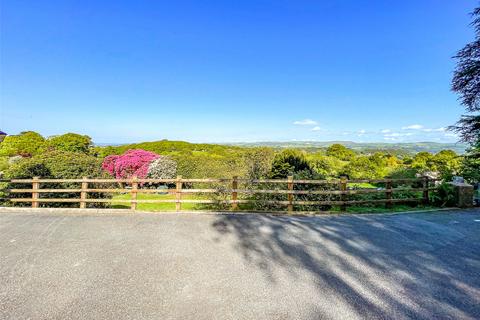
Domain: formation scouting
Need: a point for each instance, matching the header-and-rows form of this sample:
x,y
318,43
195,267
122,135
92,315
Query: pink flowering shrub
x,y
131,163
108,164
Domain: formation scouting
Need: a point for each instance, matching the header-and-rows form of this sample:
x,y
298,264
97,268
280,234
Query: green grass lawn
x,y
155,206
382,209
199,206
362,185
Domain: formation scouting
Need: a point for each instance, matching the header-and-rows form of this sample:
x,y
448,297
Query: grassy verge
x,y
395,208
154,206
195,206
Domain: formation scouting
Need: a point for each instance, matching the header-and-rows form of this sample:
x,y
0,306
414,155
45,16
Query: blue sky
x,y
217,71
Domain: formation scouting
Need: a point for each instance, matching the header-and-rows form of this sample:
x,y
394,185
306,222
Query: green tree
x,y
448,163
466,82
470,168
70,142
258,162
26,144
325,165
375,166
57,164
289,162
423,161
340,152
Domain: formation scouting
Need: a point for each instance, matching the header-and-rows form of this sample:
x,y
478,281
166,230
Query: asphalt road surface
x,y
204,266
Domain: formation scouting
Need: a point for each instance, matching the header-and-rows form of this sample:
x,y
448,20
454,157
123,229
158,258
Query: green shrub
x,y
201,165
288,162
447,163
70,142
470,167
329,167
444,196
375,166
340,152
258,162
3,165
26,144
403,173
57,165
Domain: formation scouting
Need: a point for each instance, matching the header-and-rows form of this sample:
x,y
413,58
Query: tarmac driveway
x,y
205,266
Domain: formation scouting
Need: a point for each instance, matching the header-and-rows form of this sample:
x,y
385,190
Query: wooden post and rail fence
x,y
420,187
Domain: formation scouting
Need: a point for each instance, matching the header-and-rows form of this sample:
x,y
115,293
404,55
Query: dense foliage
x,y
466,82
375,166
26,144
169,158
471,164
466,79
73,156
56,164
340,152
71,142
288,163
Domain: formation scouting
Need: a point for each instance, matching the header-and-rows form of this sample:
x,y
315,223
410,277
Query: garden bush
x,y
340,152
25,144
57,165
131,163
162,168
70,142
3,165
288,162
444,196
470,167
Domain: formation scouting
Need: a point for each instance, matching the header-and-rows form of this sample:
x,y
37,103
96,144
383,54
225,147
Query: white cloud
x,y
435,130
394,134
305,122
361,133
316,128
386,131
413,127
397,134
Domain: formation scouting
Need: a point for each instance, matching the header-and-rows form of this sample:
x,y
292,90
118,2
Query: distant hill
x,y
166,146
172,147
407,147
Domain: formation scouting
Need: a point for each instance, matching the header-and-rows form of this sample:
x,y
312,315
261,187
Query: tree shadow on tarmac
x,y
422,266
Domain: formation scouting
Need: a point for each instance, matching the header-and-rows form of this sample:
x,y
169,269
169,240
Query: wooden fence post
x,y
388,194
290,195
343,196
178,194
35,186
83,193
234,193
425,190
133,202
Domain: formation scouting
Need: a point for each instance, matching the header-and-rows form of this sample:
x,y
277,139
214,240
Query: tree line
x,y
73,155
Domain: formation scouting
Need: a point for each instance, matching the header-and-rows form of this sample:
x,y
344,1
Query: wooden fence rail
x,y
342,189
